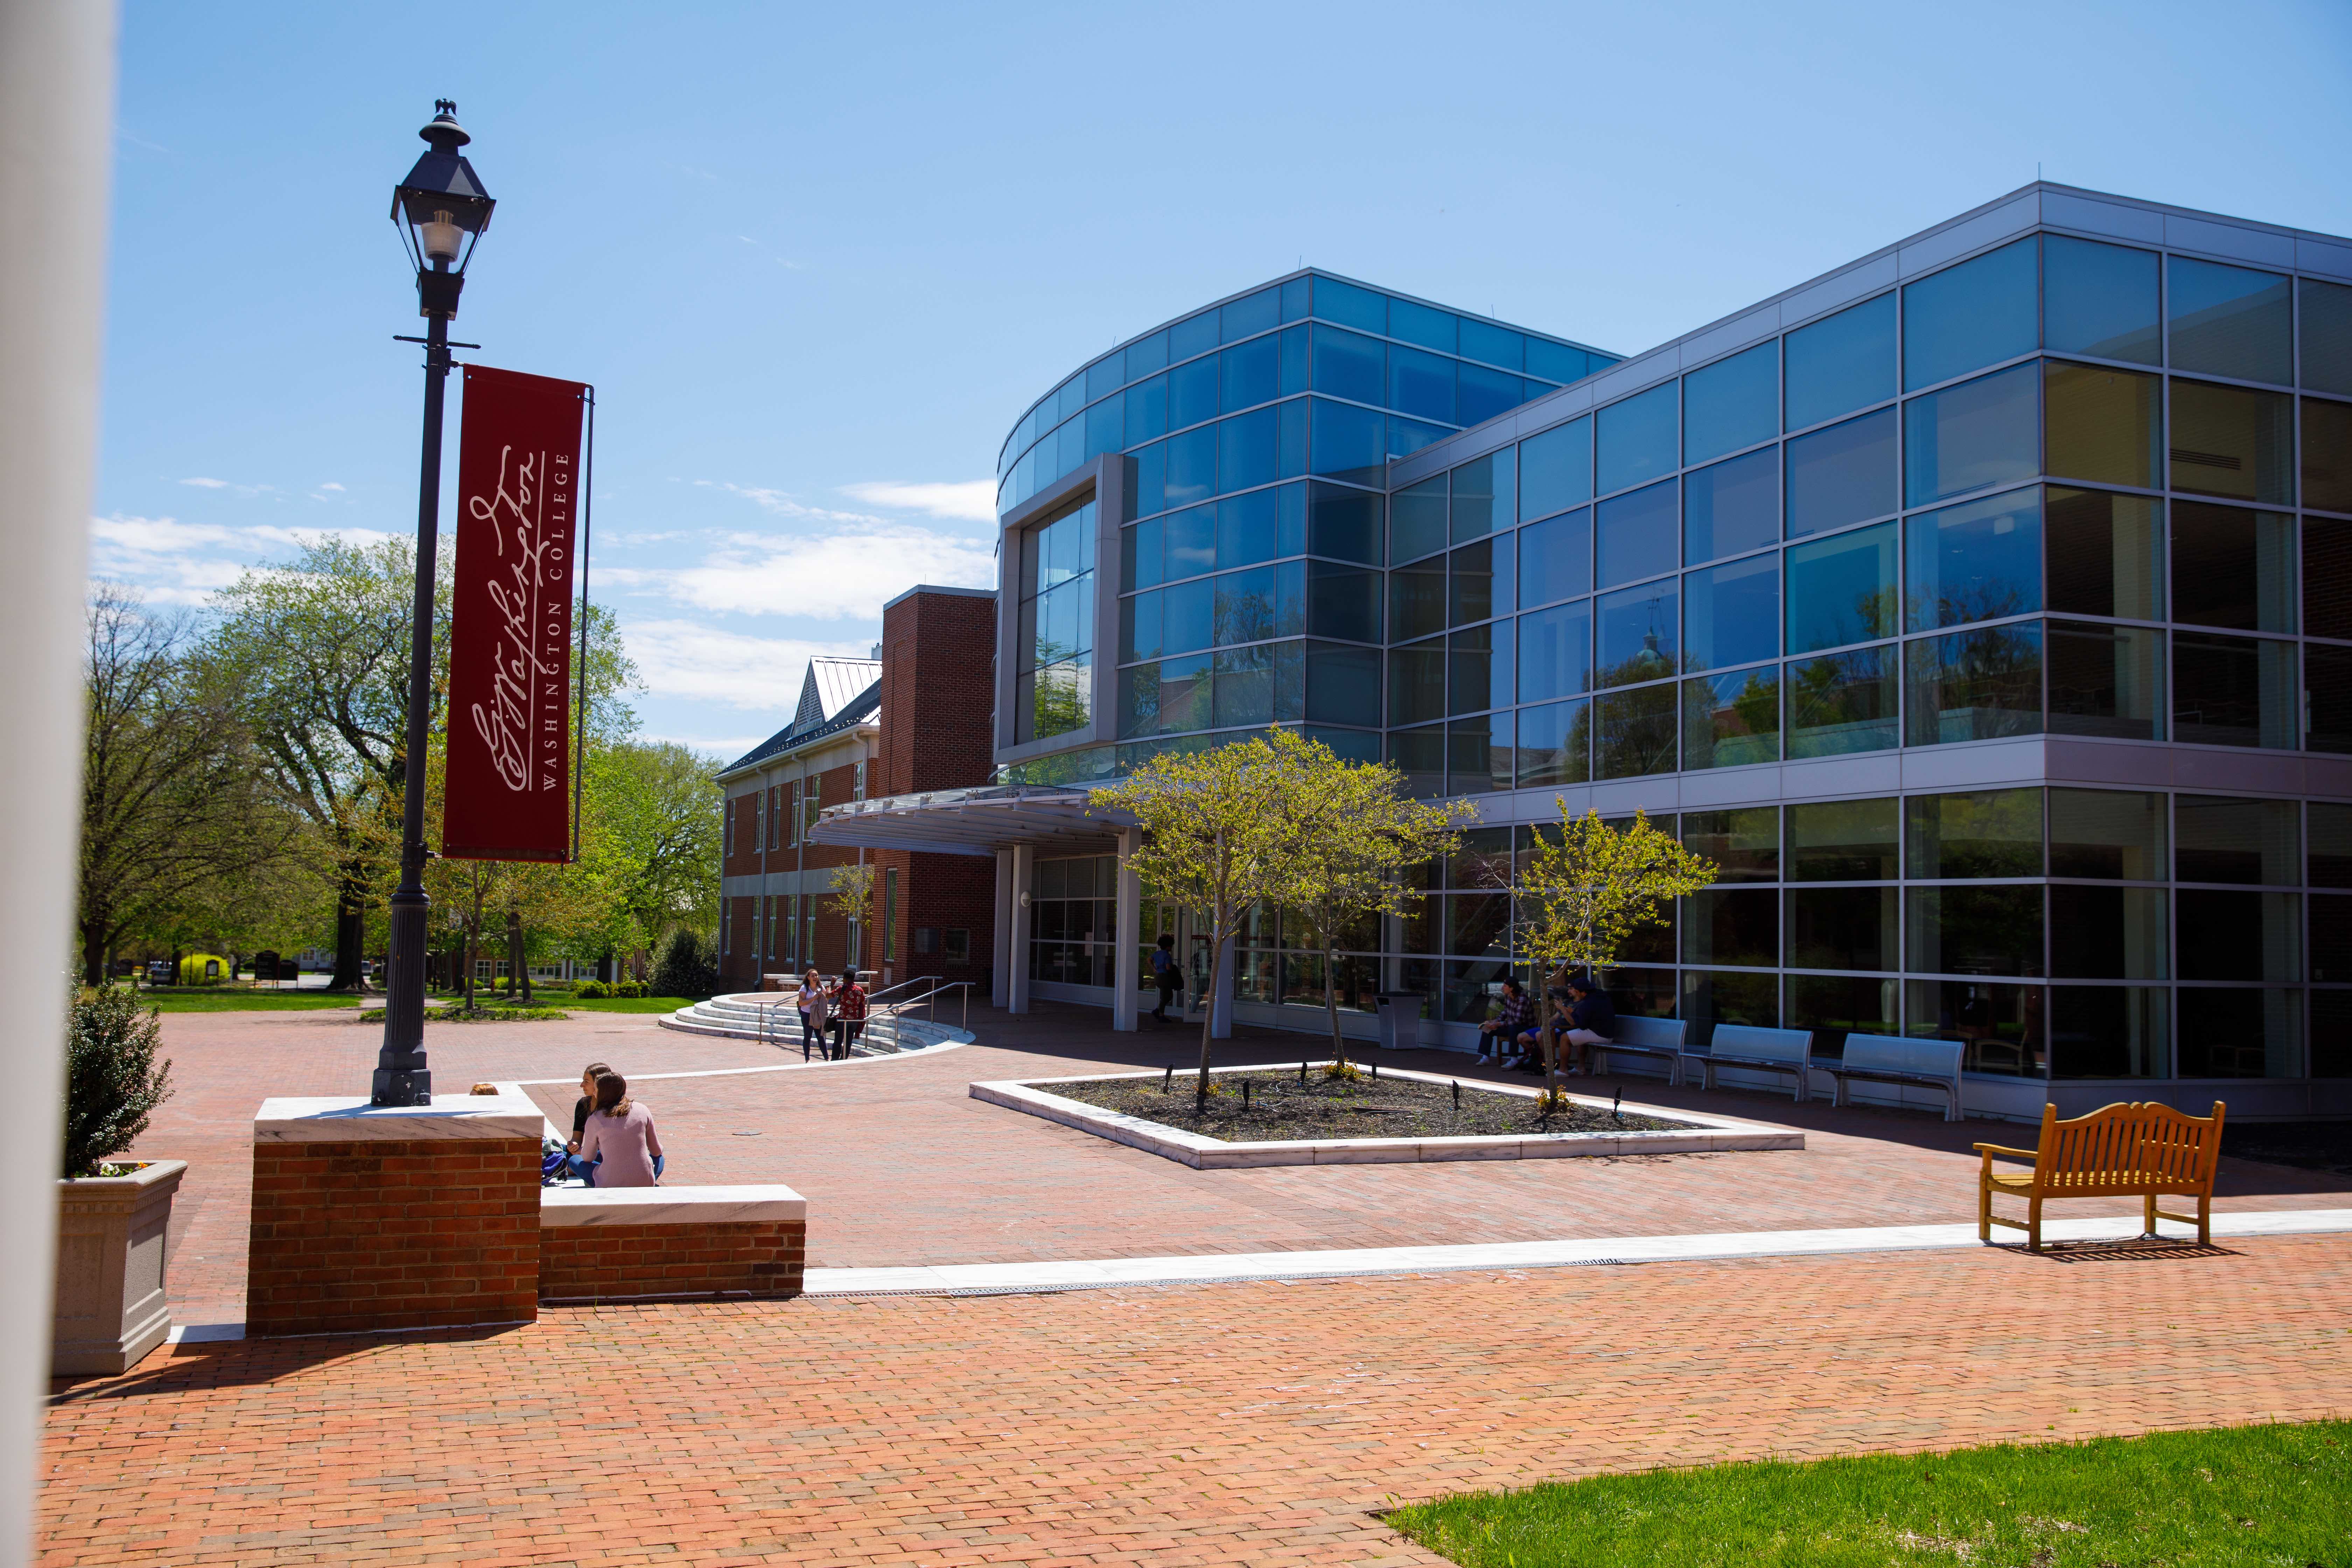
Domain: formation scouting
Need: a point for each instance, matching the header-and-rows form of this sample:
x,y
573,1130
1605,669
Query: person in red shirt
x,y
848,1013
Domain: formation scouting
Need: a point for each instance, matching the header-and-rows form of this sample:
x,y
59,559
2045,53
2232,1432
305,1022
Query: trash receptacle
x,y
1400,1016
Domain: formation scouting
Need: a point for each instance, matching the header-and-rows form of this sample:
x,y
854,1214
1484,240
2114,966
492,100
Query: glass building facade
x,y
1983,609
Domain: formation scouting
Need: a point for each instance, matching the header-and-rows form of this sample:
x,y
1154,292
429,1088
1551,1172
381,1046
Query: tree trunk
x,y
1331,1000
518,976
93,952
351,935
474,940
1208,1020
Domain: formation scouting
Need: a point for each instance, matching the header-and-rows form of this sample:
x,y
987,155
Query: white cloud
x,y
689,660
178,562
964,500
205,484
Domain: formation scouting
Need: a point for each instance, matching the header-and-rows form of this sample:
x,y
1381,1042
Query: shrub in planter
x,y
113,1081
630,988
111,1308
590,991
685,968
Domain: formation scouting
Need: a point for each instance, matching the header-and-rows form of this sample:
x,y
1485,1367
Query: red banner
x,y
508,792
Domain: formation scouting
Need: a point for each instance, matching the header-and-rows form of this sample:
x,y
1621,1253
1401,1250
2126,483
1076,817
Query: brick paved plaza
x,y
1239,1423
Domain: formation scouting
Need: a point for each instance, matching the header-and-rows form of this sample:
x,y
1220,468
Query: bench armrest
x,y
1990,1150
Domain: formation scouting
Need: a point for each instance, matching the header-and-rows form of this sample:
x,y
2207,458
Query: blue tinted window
x,y
1192,466
1634,439
1556,652
1290,600
1191,542
1344,601
2327,336
1150,478
1247,317
2099,300
1070,397
1147,354
1731,507
1250,373
1556,469
1980,433
1973,686
1294,360
2231,321
1350,306
1973,562
1344,524
1349,366
1636,535
1292,460
1555,745
1245,451
1290,523
1556,558
1421,384
1842,363
1294,300
1104,427
1348,442
1420,325
1417,521
1636,633
1482,496
1842,703
1557,361
1732,613
1146,570
1191,393
1842,475
1842,590
1732,404
1407,437
1106,376
1485,392
1496,345
1147,410
1480,673
1196,336
1478,582
1138,627
1977,314
1244,606
1249,528
1731,720
1190,616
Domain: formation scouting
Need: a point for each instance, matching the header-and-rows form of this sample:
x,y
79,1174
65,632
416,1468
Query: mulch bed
x,y
1282,1109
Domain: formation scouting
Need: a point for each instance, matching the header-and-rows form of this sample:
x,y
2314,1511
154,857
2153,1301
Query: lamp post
x,y
440,211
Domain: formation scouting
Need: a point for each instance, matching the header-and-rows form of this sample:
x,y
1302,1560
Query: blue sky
x,y
818,259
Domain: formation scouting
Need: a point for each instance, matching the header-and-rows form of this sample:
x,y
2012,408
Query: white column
x,y
1024,864
1221,1013
56,112
1127,972
999,989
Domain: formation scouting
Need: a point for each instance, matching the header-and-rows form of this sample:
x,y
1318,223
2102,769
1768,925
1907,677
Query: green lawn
x,y
628,1004
2276,1496
243,1001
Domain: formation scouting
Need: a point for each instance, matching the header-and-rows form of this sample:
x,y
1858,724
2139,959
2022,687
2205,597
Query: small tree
x,y
853,900
1585,892
1221,832
684,968
113,1082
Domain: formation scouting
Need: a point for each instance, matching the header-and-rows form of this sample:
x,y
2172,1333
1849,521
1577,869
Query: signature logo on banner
x,y
517,510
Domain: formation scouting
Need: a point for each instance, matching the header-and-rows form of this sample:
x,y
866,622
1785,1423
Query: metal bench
x,y
1767,1050
1661,1037
1888,1058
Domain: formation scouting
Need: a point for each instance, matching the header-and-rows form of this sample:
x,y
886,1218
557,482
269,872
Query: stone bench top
x,y
669,1205
333,1119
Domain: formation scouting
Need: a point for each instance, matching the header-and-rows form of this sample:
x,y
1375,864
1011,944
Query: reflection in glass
x,y
2224,838
2232,691
2106,552
1417,600
1417,521
1482,498
1637,634
2107,933
1421,384
2230,933
1343,601
1978,313
2109,1031
1744,843
1727,997
1556,469
1843,702
1634,733
1980,433
1479,581
2232,567
1982,833
1556,559
1840,363
1556,652
1835,1005
1479,756
1731,404
1841,475
1842,590
2099,300
2105,681
1843,927
2240,1032
1637,534
1349,443
2002,1024
1555,744
2115,834
2230,321
2326,328
1343,523
1732,613
1343,685
1635,441
1993,929
1845,841
2232,441
1976,562
1732,720
1736,926
1479,669
1419,755
1417,682
1731,507
1974,686
2102,424
1245,686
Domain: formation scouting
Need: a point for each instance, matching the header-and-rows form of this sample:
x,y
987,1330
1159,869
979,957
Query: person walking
x,y
620,1147
849,1014
1166,973
816,1007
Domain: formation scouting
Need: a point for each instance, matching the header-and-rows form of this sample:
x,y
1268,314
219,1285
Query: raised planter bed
x,y
1592,1128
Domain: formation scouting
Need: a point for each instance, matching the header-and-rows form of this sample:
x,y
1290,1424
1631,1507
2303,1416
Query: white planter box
x,y
109,1302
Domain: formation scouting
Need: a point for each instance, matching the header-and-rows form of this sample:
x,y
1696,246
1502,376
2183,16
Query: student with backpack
x,y
1166,973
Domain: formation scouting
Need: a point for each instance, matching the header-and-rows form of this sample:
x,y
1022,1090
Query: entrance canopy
x,y
979,821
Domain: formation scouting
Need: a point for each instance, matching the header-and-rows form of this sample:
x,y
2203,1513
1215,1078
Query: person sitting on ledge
x,y
1591,1020
622,1148
573,1164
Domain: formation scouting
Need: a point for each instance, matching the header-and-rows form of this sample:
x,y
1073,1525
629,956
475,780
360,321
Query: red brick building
x,y
915,720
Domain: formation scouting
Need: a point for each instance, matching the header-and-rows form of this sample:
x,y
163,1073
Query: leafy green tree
x,y
650,830
113,1082
684,967
853,900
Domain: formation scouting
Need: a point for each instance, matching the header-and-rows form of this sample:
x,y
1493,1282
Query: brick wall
x,y
938,686
757,1258
392,1234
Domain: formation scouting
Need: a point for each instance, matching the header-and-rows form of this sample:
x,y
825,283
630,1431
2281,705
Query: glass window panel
x,y
2327,686
1343,685
1188,612
1731,507
2105,681
1555,744
2115,834
2330,864
2232,691
2220,838
1634,440
1416,323
1732,613
1556,559
2230,321
1246,606
1843,702
1556,652
1350,306
1982,833
1732,720
1744,843
1478,581
1477,760
1419,755
1139,700
1348,442
1496,345
1349,366
1245,451
2109,1031
1421,384
2326,317
1245,317
2229,933
1145,562
1482,394
1843,928
1407,437
2102,424
2106,552
2099,300
1634,733
1417,521
1731,404
1976,562
1845,841
1250,373
2002,1024
1138,627
1842,475
2240,1032
1636,535
1191,542
1842,590
1560,362
1975,686
1734,926
1244,686
1636,634
1840,363
1150,478
2327,455
1294,299
1344,523
1833,1006
2232,567
1476,680
1556,469
1728,996
2331,1033
1482,500
1192,465
2232,441
1195,335
1417,600
1294,360
2331,938
1980,433
1192,393
2107,933
1248,529
1978,313
1343,601
1417,682
1993,928
1147,354
1104,426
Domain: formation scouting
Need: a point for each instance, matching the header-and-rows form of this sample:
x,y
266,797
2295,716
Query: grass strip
x,y
2272,1495
631,1005
245,1001
478,1015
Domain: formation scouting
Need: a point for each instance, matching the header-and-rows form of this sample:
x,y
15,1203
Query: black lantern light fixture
x,y
441,211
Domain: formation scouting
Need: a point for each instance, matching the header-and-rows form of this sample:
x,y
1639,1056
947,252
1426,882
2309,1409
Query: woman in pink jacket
x,y
619,1143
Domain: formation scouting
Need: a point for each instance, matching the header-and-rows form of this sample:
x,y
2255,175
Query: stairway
x,y
768,1016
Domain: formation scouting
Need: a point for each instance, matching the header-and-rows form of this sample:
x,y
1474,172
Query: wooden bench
x,y
1661,1037
1888,1058
2129,1150
1767,1050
